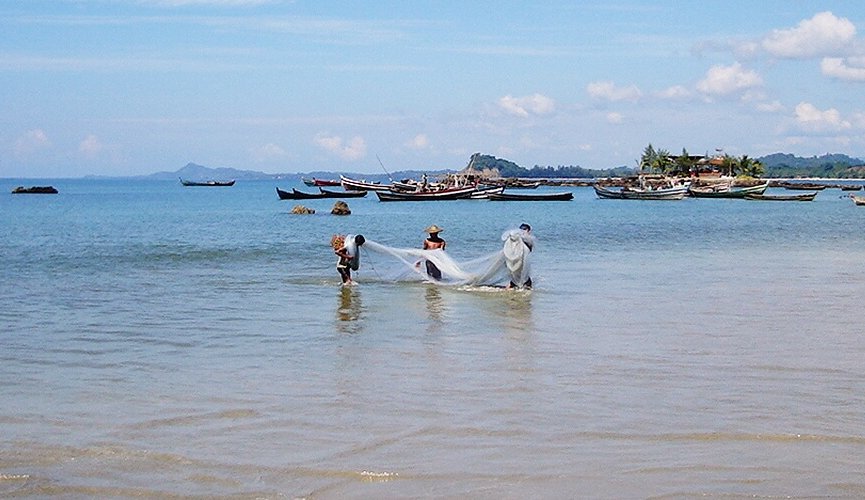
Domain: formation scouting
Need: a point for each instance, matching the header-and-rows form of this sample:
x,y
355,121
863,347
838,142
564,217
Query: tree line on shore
x,y
778,165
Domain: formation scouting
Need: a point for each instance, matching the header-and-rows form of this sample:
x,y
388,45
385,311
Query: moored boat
x,y
858,200
802,186
562,196
726,191
356,185
483,193
207,183
35,190
671,193
294,194
442,194
314,182
782,197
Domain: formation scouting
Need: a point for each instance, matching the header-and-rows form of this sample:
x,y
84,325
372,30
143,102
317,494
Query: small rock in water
x,y
340,208
300,209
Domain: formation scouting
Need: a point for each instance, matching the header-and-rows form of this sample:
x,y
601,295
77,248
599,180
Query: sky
x,y
131,87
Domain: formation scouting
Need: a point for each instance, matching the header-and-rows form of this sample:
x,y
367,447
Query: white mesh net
x,y
510,265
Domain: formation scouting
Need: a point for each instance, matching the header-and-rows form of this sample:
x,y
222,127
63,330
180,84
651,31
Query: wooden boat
x,y
35,190
356,185
441,194
851,187
294,194
858,200
782,197
672,193
207,183
483,193
563,196
803,186
726,191
320,182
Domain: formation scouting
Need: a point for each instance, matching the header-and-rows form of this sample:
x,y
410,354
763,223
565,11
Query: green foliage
x,y
836,166
660,161
510,169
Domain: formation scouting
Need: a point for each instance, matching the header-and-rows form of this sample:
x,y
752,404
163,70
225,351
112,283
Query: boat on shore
x,y
726,190
35,190
207,183
625,193
439,195
294,194
562,196
782,197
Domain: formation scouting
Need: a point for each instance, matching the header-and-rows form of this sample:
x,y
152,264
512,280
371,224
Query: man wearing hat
x,y
434,242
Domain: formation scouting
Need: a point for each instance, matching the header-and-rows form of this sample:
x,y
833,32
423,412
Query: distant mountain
x,y
788,160
195,172
828,166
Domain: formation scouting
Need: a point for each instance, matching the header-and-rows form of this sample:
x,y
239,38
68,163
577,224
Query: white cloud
x,y
31,142
675,92
420,141
851,69
614,117
724,80
823,34
770,107
90,146
810,118
353,149
535,104
269,151
610,92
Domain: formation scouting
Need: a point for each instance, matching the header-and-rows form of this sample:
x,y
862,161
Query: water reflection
x,y
436,309
517,313
349,310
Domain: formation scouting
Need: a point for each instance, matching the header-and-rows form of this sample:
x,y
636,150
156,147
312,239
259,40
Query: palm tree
x,y
730,165
648,159
661,162
683,162
750,166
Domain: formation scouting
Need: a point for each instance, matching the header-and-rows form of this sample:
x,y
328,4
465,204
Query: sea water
x,y
163,341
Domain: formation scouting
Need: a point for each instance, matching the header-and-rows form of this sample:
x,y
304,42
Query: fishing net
x,y
511,264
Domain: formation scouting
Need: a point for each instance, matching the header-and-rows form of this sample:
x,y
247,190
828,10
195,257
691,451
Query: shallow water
x,y
157,340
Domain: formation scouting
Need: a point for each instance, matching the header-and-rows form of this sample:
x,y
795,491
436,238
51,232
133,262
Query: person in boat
x,y
433,242
527,241
349,257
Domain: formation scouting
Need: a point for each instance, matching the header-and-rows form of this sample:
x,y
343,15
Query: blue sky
x,y
125,87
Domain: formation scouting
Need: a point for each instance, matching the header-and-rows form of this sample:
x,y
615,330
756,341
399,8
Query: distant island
x,y
778,165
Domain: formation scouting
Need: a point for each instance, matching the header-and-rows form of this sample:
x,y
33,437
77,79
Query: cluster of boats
x,y
680,191
415,191
477,189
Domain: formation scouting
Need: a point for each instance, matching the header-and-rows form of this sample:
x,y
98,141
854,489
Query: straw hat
x,y
433,229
